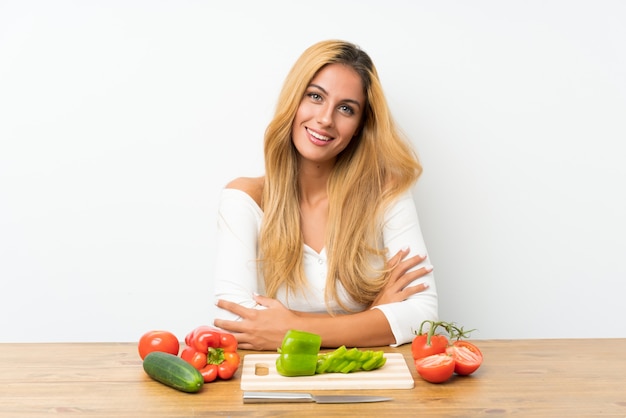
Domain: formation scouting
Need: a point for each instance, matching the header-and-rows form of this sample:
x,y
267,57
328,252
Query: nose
x,y
325,115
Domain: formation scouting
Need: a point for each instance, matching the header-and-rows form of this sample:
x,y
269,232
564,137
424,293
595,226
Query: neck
x,y
313,182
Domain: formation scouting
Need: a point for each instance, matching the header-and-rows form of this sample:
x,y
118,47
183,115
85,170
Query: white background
x,y
120,121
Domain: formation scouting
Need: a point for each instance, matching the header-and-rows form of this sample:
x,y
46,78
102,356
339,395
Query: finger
x,y
397,267
234,327
393,261
407,278
412,290
245,346
264,300
412,261
233,307
408,264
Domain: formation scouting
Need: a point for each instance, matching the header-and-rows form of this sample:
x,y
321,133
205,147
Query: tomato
x,y
436,368
467,357
421,348
163,341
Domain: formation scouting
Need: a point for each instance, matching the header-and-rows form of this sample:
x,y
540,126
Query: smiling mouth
x,y
318,136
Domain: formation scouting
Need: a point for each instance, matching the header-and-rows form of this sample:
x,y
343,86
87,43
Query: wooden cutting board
x,y
394,374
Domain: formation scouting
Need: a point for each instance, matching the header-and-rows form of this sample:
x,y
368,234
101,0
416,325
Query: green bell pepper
x,y
298,354
343,360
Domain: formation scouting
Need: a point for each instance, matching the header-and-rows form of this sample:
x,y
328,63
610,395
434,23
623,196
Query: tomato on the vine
x,y
437,356
421,346
467,357
428,343
436,368
163,341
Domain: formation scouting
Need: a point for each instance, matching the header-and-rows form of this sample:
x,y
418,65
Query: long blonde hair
x,y
376,167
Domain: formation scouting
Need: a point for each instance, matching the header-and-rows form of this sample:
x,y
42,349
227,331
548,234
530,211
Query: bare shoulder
x,y
253,186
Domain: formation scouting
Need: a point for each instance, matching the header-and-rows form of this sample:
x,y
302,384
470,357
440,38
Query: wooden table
x,y
526,378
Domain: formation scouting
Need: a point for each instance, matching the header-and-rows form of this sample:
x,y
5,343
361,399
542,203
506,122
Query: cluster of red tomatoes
x,y
437,357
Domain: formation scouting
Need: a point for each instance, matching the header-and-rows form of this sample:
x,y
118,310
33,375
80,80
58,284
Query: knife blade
x,y
294,397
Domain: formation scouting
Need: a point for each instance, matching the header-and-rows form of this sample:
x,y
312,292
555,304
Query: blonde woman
x,y
328,240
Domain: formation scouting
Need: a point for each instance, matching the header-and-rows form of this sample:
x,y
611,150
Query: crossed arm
x,y
264,329
260,323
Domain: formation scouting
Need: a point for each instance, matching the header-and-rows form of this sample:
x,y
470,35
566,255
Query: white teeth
x,y
318,136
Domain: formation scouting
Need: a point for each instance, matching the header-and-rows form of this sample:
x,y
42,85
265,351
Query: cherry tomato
x,y
163,341
436,368
420,347
467,357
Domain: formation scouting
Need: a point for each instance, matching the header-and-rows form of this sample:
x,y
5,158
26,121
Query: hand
x,y
258,329
397,287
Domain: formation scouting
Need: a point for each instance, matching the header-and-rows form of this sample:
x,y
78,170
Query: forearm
x,y
369,328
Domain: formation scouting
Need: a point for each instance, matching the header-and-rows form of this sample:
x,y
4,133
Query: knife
x,y
290,397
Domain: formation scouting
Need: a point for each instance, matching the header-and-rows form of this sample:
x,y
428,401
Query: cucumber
x,y
173,371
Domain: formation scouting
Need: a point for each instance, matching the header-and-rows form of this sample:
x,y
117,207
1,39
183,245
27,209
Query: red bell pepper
x,y
212,352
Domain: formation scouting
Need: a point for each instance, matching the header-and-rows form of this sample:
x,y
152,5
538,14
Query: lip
x,y
311,134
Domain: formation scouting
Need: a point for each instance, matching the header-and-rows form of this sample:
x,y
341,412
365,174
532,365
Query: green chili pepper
x,y
298,354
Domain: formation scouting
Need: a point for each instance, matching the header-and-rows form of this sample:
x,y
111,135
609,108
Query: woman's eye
x,y
314,96
346,109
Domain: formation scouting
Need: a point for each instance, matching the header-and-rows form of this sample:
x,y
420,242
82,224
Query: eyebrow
x,y
356,102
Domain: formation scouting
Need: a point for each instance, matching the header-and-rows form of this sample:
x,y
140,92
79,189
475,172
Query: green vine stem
x,y
454,331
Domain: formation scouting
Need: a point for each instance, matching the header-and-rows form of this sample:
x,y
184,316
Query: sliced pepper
x,y
298,354
212,352
343,360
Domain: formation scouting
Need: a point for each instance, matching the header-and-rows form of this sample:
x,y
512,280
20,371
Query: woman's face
x,y
329,114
